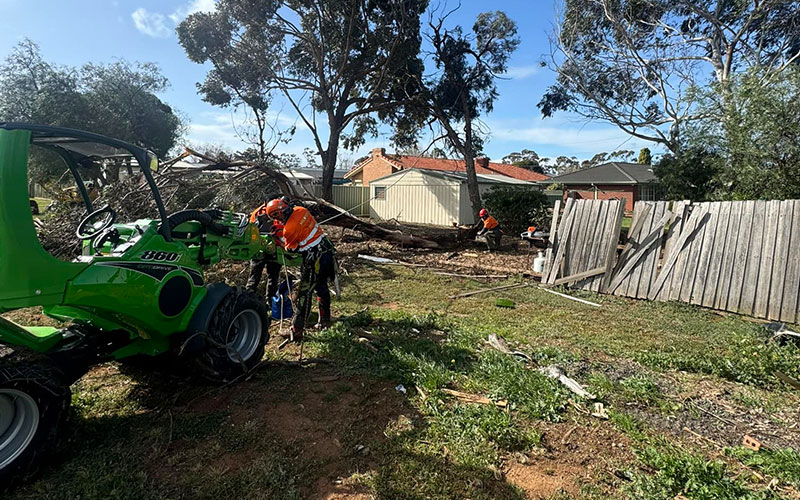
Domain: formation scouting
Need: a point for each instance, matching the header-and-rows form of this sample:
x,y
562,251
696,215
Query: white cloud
x,y
520,72
193,7
160,25
151,23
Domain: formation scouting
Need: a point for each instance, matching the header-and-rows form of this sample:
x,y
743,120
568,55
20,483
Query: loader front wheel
x,y
34,401
237,334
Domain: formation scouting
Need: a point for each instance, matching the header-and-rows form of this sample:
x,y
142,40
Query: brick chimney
x,y
378,152
482,161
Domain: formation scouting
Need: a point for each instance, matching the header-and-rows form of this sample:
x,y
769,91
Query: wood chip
x,y
600,411
576,299
556,373
567,434
325,378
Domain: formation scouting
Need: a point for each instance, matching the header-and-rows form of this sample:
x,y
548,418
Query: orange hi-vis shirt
x,y
301,231
490,223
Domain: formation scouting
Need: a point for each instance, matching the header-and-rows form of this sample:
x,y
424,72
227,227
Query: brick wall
x,y
605,192
375,169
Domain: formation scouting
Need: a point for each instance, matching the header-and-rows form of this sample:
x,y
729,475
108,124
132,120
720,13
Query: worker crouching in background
x,y
301,234
491,229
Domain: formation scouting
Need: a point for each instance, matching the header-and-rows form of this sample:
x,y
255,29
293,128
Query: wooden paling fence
x,y
741,256
584,242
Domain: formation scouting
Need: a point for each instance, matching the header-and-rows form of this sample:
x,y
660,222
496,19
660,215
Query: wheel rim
x,y
19,420
244,335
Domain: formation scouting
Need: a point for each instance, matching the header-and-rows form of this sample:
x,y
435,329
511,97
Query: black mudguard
x,y
193,340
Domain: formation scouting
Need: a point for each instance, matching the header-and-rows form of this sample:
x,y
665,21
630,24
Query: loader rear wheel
x,y
34,401
237,334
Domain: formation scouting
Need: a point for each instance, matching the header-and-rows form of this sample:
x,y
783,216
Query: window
x,y
648,192
380,192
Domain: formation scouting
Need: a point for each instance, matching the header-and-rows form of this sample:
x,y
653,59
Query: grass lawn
x,y
681,387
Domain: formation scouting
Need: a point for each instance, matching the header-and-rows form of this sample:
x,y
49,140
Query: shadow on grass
x,y
140,434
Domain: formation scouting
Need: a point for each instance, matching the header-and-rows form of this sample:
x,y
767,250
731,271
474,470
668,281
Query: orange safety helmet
x,y
277,207
483,212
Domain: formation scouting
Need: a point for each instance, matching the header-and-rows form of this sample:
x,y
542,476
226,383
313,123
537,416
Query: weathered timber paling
x,y
737,256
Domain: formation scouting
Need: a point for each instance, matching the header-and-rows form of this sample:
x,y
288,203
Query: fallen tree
x,y
328,213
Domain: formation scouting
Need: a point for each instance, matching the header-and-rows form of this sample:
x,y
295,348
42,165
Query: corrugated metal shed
x,y
428,196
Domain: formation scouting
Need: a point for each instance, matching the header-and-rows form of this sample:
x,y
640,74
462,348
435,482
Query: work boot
x,y
324,319
296,333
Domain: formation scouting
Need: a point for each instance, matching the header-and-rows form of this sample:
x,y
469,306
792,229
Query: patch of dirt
x,y
708,409
575,453
331,424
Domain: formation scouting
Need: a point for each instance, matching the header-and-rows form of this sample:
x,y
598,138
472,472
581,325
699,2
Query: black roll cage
x,y
142,156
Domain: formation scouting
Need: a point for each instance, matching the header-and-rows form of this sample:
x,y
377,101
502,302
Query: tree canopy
x,y
118,99
638,63
354,63
463,85
746,149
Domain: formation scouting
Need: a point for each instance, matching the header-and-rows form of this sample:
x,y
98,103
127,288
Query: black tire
x,y
29,385
34,207
224,357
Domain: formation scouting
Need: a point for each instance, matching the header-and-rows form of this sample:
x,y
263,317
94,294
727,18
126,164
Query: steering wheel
x,y
96,222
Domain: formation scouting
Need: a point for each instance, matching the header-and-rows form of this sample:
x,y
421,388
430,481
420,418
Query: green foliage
x,y
118,99
759,136
682,473
530,392
635,64
783,463
645,158
516,208
478,435
357,61
528,159
693,175
637,388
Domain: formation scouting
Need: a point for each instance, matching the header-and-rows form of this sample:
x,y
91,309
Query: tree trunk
x,y
329,165
469,163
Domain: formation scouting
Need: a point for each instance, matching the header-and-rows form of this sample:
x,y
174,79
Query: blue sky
x,y
75,32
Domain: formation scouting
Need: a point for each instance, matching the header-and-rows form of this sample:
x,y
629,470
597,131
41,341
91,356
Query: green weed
x,y
677,472
783,464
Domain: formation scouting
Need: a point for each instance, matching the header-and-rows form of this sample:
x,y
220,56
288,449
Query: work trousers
x,y
317,268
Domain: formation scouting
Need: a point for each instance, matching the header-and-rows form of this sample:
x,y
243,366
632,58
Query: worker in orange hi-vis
x,y
269,260
491,229
302,234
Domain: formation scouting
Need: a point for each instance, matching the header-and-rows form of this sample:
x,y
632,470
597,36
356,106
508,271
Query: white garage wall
x,y
412,196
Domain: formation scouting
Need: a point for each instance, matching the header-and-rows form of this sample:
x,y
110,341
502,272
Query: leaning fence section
x,y
584,240
737,256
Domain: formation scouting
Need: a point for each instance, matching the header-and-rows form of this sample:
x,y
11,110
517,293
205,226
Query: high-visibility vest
x,y
301,231
490,223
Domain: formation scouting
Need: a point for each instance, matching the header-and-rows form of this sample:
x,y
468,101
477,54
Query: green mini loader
x,y
137,289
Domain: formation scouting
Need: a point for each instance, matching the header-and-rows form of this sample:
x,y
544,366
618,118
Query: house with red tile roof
x,y
379,165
